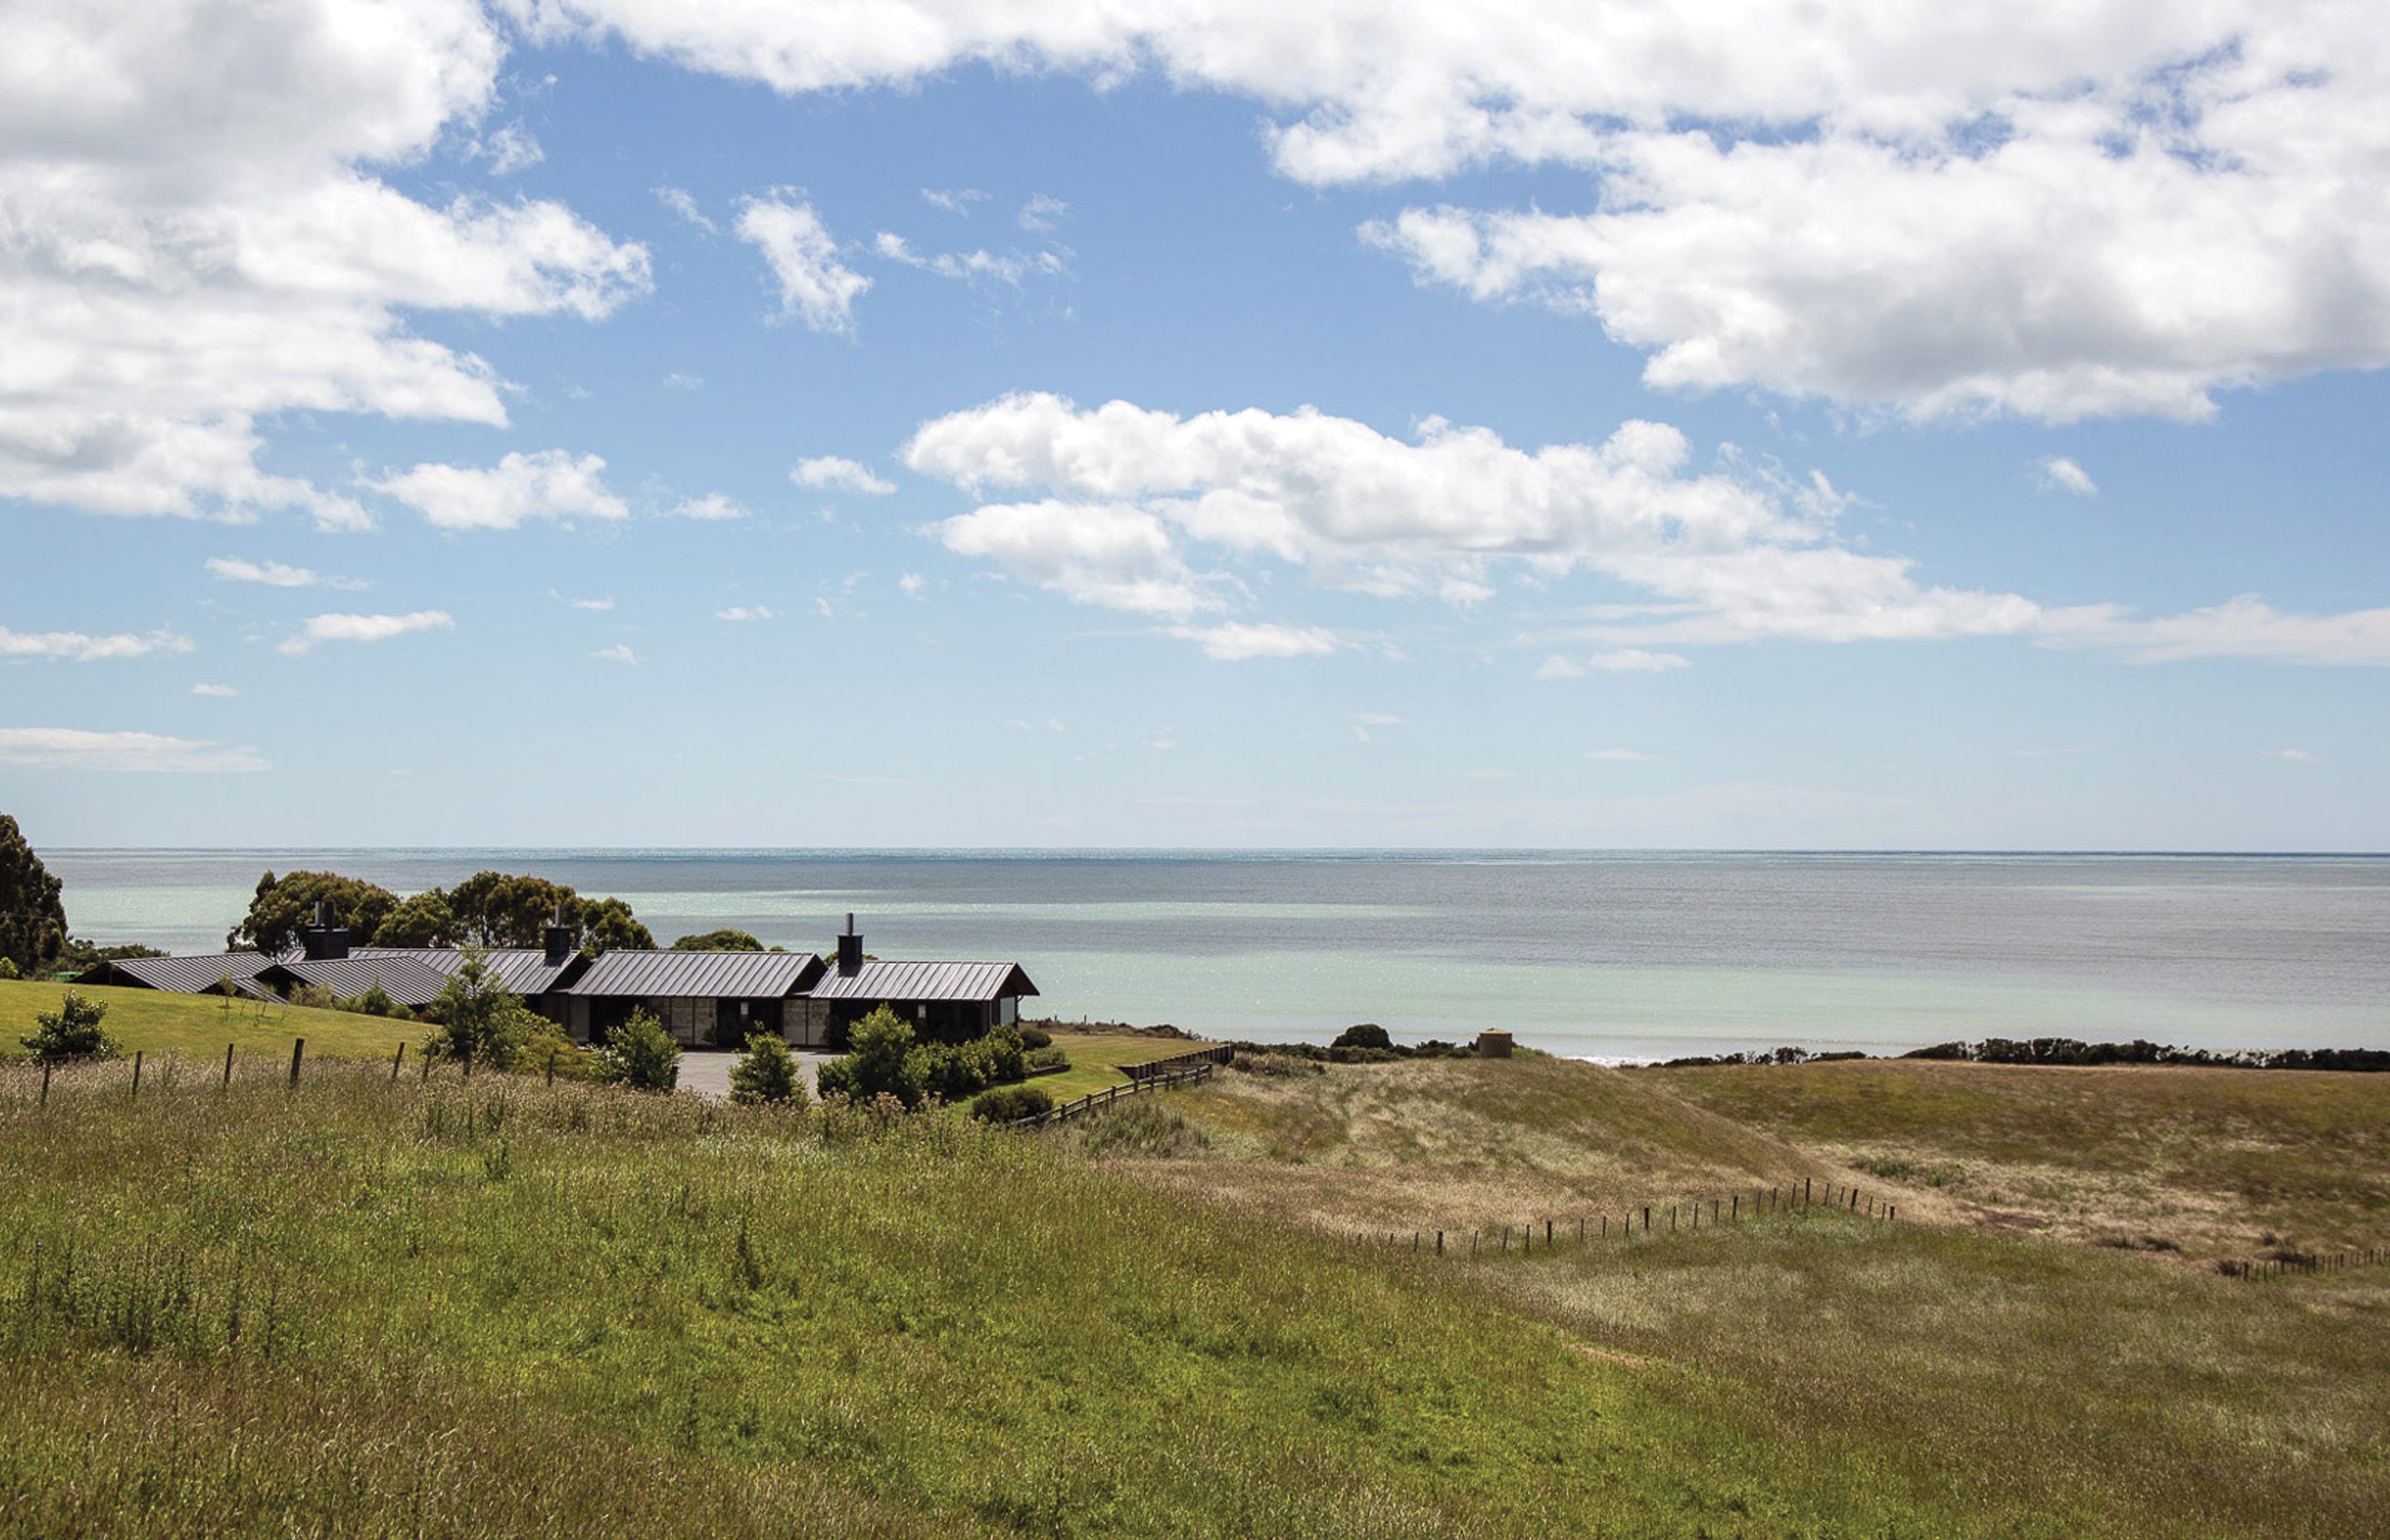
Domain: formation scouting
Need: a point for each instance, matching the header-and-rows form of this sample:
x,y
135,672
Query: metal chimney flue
x,y
556,937
322,939
850,950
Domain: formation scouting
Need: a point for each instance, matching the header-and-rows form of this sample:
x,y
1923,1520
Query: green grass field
x,y
510,1309
500,1308
200,1025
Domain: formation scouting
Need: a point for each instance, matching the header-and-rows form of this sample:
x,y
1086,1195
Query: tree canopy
x,y
285,906
490,909
32,919
725,940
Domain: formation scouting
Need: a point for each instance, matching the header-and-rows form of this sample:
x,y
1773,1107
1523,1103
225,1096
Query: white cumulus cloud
x,y
619,653
75,748
549,484
2061,474
218,692
365,628
274,574
743,613
2058,209
195,238
816,288
1237,640
74,647
712,509
836,473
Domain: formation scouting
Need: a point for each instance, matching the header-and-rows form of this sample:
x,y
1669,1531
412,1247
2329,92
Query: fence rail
x,y
1095,1102
1157,1068
1685,1216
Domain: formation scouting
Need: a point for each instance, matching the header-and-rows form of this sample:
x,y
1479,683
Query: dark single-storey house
x,y
200,975
704,999
947,1002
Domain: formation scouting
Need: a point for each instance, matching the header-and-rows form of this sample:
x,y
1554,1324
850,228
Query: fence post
x,y
1805,1193
1605,1226
45,1084
393,1061
1647,1219
1547,1233
1855,1199
136,1075
227,1079
551,1067
1439,1243
298,1050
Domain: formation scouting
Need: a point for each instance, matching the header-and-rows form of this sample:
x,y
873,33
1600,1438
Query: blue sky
x,y
1154,430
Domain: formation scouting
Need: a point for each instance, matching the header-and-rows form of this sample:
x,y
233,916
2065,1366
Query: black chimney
x,y
850,950
320,941
558,938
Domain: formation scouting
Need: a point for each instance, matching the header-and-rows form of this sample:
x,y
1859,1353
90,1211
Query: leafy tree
x,y
881,1059
423,920
608,925
477,1018
9,968
33,919
283,906
497,909
71,1032
724,940
641,1055
1369,1034
767,1074
81,956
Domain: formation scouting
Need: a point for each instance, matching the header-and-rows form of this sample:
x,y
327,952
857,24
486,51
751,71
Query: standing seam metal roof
x,y
407,980
521,970
723,975
925,981
185,975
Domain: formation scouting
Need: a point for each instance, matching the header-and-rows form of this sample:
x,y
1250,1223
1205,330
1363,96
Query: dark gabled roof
x,y
521,970
720,975
182,975
408,980
925,981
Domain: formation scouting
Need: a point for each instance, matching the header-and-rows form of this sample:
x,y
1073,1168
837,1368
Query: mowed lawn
x,y
1095,1058
157,1022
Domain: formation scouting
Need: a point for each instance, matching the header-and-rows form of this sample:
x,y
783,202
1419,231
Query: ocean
x,y
1616,955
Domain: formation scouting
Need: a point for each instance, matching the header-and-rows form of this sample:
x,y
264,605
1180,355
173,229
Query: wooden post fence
x,y
297,1051
227,1078
136,1076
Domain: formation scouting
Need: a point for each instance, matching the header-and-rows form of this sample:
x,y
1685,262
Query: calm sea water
x,y
1624,955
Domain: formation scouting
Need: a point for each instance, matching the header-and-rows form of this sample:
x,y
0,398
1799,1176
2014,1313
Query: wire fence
x,y
1686,1217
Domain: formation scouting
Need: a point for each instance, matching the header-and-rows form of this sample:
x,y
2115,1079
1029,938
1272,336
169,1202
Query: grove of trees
x,y
492,910
32,917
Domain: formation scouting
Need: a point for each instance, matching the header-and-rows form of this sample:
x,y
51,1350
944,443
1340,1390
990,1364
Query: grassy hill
x,y
1460,1143
504,1308
199,1025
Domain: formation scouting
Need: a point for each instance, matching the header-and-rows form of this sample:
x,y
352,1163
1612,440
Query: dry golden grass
x,y
1466,1143
2211,1162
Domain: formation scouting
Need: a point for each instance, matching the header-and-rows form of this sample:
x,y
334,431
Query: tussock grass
x,y
1467,1142
2205,1160
2069,1391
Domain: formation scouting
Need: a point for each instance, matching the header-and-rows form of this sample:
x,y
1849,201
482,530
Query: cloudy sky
x,y
1195,422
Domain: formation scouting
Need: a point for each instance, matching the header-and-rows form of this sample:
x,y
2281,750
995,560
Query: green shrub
x,y
314,997
767,1074
375,1001
544,1043
641,1055
1368,1034
1048,1056
1036,1038
71,1032
9,968
953,1070
1012,1103
881,1059
1004,1050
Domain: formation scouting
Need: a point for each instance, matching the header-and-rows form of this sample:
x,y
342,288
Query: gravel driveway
x,y
706,1071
